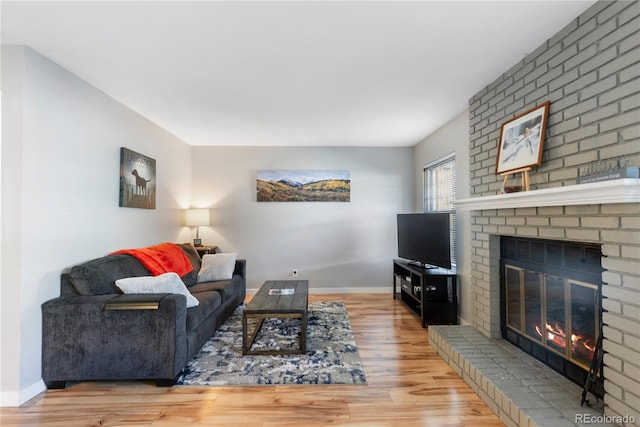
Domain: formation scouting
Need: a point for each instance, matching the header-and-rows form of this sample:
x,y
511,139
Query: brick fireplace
x,y
588,72
607,214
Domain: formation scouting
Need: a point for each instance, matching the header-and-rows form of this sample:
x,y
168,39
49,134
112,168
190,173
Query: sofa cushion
x,y
190,251
164,283
227,288
217,267
99,276
209,302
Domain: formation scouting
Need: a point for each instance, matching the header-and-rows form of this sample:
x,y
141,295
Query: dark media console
x,y
430,292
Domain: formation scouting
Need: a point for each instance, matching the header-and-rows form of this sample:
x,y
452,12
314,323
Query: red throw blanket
x,y
162,258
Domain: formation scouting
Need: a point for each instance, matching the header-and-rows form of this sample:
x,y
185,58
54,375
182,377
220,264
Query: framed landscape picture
x,y
303,186
522,140
137,180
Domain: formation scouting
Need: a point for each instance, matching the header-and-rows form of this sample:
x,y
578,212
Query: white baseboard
x,y
17,398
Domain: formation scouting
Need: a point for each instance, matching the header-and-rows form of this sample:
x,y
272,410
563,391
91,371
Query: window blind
x,y
440,192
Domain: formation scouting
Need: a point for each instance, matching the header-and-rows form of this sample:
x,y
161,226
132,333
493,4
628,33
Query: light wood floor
x,y
408,385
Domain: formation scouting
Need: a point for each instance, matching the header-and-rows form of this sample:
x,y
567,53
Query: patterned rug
x,y
331,357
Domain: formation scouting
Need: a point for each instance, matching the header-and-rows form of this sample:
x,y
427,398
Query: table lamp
x,y
196,218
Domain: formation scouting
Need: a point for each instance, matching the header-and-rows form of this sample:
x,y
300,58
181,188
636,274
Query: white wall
x,y
337,246
61,142
453,137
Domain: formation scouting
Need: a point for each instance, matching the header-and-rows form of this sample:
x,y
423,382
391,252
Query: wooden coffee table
x,y
277,299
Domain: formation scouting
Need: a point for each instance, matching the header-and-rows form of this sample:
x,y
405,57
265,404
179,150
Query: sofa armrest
x,y
81,340
66,285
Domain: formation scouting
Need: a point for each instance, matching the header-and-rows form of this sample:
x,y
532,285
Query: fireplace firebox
x,y
551,304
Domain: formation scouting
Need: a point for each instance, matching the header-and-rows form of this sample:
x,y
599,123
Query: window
x,y
440,192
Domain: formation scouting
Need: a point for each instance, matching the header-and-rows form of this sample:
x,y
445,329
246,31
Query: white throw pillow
x,y
167,283
217,267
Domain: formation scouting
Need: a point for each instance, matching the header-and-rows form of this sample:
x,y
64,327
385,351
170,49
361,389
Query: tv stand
x,y
421,265
431,293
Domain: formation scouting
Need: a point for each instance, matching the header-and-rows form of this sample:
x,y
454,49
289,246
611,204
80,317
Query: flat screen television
x,y
424,239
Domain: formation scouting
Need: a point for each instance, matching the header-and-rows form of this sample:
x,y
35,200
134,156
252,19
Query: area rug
x,y
331,357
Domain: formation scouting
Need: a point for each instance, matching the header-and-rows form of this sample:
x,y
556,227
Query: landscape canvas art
x,y
303,186
137,180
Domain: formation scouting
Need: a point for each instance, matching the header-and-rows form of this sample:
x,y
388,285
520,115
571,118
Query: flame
x,y
557,336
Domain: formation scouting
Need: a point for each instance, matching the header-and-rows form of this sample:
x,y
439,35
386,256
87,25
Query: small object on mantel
x,y
511,189
619,173
515,188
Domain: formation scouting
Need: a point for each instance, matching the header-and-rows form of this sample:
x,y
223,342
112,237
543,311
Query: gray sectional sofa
x,y
94,332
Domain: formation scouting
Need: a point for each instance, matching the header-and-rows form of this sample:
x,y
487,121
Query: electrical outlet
x,y
294,273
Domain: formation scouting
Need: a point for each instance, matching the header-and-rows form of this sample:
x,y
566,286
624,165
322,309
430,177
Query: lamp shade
x,y
197,217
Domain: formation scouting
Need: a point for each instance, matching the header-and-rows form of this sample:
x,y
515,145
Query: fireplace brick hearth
x,y
589,73
518,388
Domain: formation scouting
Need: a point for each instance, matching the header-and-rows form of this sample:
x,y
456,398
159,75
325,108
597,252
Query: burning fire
x,y
558,337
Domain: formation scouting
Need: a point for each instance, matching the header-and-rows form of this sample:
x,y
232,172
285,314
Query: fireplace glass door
x,y
584,322
558,313
550,303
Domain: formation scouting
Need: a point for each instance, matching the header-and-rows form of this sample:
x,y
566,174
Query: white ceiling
x,y
327,73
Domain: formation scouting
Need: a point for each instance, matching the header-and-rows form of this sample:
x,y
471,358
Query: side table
x,y
205,250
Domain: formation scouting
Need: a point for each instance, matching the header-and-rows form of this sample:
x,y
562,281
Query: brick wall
x,y
590,73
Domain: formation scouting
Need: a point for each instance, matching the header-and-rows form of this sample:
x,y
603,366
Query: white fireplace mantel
x,y
625,190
